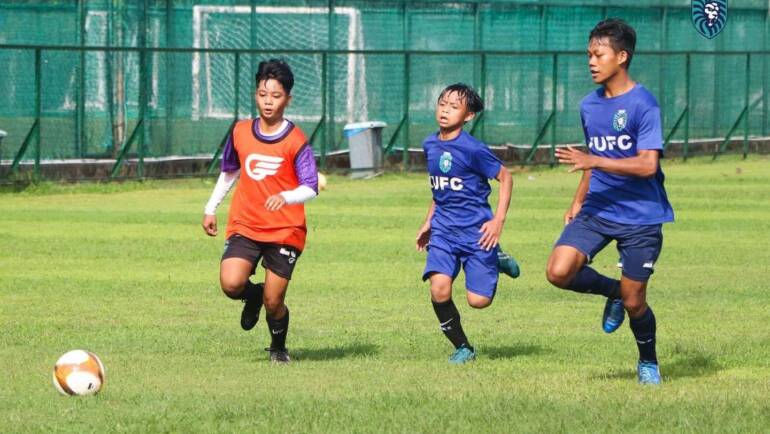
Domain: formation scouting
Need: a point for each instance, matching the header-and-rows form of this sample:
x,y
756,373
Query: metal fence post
x,y
748,109
252,57
330,136
405,153
324,91
170,94
236,85
406,35
142,111
144,93
81,97
552,157
483,92
38,108
686,149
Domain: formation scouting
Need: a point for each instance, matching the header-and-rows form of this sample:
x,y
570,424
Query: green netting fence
x,y
111,78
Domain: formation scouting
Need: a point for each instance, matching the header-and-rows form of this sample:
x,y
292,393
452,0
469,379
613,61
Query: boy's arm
x,y
225,182
492,229
643,165
307,176
423,235
580,197
231,166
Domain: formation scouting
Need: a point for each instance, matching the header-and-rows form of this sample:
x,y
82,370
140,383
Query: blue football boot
x,y
648,372
507,264
614,314
462,355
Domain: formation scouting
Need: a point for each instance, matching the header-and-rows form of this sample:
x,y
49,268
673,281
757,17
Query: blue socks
x,y
644,332
588,281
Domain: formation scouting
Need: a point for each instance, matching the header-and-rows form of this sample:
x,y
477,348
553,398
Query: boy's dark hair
x,y
622,37
466,93
278,70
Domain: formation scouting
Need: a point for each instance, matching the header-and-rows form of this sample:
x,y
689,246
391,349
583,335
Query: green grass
x,y
125,271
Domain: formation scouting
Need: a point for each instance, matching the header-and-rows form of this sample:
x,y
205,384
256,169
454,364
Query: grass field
x,y
126,271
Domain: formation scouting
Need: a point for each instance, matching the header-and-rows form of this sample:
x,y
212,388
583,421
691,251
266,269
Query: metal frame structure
x,y
138,137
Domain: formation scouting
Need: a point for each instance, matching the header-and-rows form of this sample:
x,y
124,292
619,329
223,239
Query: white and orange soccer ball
x,y
78,372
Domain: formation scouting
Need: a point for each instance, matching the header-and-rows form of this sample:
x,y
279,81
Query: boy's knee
x,y
635,307
440,293
559,275
480,303
232,289
273,304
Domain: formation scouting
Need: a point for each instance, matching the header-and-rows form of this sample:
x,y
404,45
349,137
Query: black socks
x,y
644,332
588,281
449,320
279,328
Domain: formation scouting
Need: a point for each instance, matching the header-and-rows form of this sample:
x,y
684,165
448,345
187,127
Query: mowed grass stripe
x,y
124,270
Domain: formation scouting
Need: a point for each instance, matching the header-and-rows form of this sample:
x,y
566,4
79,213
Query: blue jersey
x,y
459,171
620,127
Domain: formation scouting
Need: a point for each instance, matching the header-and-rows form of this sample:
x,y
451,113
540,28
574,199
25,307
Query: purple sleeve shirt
x,y
230,161
305,168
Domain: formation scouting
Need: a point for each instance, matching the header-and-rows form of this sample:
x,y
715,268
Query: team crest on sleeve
x,y
709,16
620,120
259,166
445,162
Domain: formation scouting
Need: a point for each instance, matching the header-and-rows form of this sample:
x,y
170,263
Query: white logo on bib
x,y
265,166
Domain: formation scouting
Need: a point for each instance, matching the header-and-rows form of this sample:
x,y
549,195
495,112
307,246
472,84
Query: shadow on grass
x,y
335,353
681,364
511,351
691,364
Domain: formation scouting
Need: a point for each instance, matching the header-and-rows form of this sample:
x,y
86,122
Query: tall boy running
x,y
620,196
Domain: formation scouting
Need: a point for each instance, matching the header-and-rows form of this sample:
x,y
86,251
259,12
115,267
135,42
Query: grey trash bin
x,y
365,145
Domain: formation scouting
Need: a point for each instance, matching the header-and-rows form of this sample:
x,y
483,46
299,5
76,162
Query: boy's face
x,y
272,99
452,111
603,61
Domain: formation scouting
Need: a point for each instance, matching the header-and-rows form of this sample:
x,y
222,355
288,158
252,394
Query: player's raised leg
x,y
481,276
234,275
567,268
277,315
449,318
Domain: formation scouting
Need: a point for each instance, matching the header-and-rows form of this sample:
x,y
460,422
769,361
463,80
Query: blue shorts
x,y
638,245
445,256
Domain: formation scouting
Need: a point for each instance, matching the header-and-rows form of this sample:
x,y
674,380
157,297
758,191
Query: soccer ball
x,y
321,181
78,372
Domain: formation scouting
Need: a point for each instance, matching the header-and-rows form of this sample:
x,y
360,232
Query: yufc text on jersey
x,y
444,182
609,143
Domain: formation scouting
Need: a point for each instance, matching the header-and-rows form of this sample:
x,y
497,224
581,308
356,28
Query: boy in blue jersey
x,y
620,196
460,228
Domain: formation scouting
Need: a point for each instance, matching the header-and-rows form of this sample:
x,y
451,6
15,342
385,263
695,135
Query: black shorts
x,y
278,258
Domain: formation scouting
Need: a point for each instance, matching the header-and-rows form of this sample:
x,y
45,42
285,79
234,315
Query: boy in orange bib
x,y
277,172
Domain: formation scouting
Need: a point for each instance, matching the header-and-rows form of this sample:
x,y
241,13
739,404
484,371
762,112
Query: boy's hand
x,y
210,225
491,232
423,237
573,211
578,159
275,202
